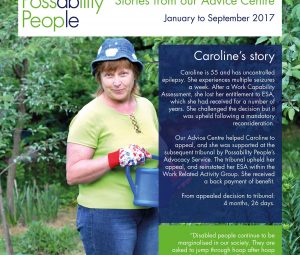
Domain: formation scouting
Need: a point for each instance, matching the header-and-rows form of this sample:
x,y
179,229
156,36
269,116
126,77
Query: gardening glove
x,y
131,156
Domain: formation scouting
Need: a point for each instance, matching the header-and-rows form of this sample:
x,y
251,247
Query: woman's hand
x,y
133,155
130,156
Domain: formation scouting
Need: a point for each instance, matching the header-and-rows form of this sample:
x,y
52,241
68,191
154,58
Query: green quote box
x,y
220,239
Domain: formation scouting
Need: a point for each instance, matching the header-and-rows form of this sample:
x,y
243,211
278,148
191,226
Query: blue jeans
x,y
118,231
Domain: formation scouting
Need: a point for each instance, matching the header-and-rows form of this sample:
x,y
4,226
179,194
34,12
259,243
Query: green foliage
x,y
291,213
31,204
291,149
68,196
290,42
57,84
41,239
2,247
291,158
291,190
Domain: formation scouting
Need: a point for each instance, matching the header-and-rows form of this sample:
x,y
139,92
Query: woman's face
x,y
117,85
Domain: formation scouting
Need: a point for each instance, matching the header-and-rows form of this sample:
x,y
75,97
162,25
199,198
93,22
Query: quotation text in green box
x,y
220,239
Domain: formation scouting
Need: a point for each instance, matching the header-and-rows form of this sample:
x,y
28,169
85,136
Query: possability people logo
x,y
149,18
36,13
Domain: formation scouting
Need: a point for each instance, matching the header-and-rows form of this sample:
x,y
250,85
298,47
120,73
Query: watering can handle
x,y
131,183
155,157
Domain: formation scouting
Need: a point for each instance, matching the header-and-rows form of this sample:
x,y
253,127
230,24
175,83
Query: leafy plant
x,y
290,42
291,149
32,203
41,239
291,213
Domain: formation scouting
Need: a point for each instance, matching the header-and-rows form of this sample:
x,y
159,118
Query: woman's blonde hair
x,y
112,66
